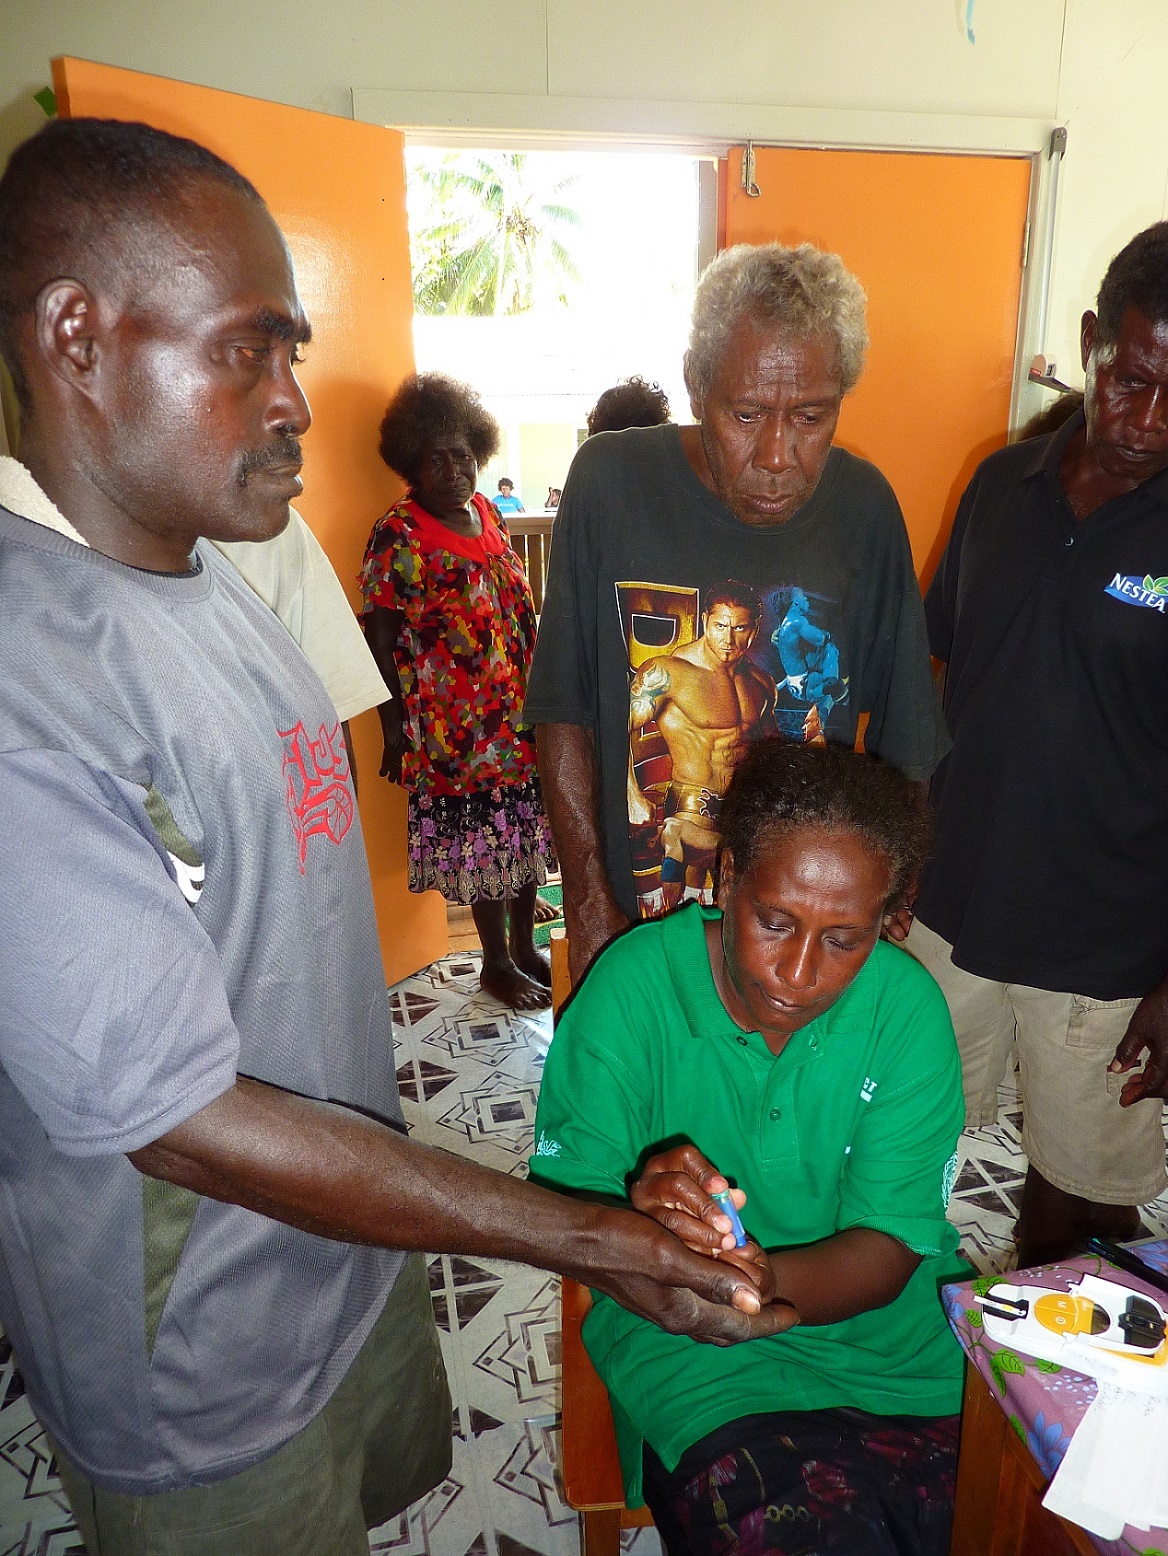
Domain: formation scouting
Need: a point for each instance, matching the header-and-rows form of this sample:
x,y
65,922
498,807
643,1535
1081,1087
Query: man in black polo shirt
x,y
1044,911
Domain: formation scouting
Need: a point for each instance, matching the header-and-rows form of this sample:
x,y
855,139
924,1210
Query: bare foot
x,y
534,964
545,912
513,988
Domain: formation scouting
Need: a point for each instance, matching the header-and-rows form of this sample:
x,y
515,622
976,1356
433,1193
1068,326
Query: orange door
x,y
337,189
936,241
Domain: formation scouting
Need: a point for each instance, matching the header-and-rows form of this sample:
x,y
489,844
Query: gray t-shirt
x,y
184,896
678,634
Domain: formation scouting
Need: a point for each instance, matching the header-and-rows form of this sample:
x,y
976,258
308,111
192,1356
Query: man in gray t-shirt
x,y
205,1189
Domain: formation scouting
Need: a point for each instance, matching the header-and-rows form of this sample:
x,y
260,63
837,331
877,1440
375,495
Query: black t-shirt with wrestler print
x,y
678,634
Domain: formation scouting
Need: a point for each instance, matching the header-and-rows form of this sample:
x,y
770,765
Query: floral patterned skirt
x,y
489,843
810,1483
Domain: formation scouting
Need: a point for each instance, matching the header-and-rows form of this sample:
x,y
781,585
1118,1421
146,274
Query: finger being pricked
x,y
718,1307
754,1264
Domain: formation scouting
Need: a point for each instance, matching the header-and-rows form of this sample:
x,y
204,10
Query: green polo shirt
x,y
855,1123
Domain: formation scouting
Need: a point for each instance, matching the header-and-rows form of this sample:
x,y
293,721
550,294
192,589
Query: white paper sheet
x,y
1116,1469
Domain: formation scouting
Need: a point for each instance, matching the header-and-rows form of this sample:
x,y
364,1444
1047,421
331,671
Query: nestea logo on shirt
x,y
1147,591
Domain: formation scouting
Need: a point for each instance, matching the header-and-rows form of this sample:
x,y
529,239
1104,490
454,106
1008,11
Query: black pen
x,y
1124,1259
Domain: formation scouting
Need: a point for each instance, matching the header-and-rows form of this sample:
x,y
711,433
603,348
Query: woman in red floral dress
x,y
449,617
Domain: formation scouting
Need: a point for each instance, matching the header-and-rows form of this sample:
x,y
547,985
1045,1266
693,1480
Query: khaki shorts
x,y
1073,1128
382,1441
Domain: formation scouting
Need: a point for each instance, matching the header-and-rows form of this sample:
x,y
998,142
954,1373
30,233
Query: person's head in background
x,y
631,403
1051,417
507,499
1124,345
778,338
435,434
553,497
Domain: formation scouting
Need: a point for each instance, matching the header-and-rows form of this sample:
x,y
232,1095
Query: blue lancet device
x,y
726,1204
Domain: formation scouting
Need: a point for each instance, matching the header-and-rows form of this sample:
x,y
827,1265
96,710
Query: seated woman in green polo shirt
x,y
777,1043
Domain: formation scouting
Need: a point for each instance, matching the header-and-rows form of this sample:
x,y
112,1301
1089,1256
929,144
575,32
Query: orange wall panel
x,y
936,241
337,189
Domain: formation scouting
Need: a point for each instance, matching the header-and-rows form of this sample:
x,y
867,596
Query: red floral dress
x,y
476,823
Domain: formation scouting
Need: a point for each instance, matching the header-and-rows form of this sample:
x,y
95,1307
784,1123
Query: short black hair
x,y
631,403
73,189
427,406
731,592
781,784
1136,278
505,480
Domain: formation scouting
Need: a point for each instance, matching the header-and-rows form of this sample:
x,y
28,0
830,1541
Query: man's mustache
x,y
284,451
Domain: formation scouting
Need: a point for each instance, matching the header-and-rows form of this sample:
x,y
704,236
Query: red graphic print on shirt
x,y
319,796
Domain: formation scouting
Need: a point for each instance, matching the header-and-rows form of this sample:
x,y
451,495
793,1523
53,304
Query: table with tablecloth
x,y
1043,1402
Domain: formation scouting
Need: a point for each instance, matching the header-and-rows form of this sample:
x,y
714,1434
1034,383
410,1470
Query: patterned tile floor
x,y
469,1074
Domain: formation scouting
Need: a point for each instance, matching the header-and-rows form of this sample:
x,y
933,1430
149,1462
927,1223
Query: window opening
x,y
544,277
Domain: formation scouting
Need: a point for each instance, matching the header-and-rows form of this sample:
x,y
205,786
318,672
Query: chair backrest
x,y
590,1464
592,1477
561,975
589,1461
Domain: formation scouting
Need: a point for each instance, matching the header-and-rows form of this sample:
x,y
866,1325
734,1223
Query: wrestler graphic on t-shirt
x,y
708,700
812,664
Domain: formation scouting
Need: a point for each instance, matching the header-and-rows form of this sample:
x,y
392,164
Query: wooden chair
x,y
561,977
591,1469
590,1466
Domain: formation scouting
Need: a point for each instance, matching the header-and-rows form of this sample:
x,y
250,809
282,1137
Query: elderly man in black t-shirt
x,y
655,523
1044,911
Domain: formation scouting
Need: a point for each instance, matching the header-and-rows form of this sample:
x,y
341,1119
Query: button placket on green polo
x,y
777,1131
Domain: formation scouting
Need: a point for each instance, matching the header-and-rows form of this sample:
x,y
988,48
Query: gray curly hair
x,y
802,291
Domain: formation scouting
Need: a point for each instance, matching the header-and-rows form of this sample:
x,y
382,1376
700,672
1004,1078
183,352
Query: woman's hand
x,y
393,734
382,630
675,1188
391,762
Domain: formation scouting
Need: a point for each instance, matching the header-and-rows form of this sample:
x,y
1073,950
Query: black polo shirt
x,y
1051,862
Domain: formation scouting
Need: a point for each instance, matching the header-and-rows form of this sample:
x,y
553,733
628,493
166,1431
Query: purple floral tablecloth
x,y
1043,1401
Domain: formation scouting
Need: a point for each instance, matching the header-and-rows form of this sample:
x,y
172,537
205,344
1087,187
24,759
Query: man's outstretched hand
x,y
1148,1028
716,1300
336,1173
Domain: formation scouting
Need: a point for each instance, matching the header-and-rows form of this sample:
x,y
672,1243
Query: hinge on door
x,y
1026,243
748,183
